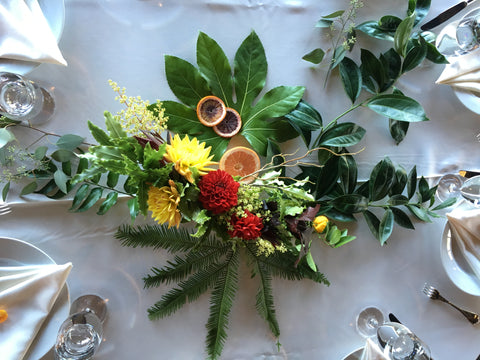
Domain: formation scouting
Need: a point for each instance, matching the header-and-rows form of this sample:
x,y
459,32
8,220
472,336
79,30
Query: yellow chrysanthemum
x,y
163,203
186,154
320,223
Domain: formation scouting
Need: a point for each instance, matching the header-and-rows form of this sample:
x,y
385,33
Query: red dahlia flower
x,y
218,191
246,228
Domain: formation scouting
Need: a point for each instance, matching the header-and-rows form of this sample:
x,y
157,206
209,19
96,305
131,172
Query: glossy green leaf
x,y
386,226
109,201
373,222
5,190
373,29
338,55
79,196
381,179
412,182
315,56
91,199
434,55
372,68
5,137
402,34
392,63
398,130
351,78
397,107
250,69
112,179
61,180
305,119
445,204
133,207
402,219
350,203
389,23
347,168
334,14
421,10
258,133
419,212
398,199
399,183
415,56
344,134
185,81
69,142
62,155
99,135
29,188
213,64
324,23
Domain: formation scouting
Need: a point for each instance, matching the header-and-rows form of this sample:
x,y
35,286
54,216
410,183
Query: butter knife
x,y
444,16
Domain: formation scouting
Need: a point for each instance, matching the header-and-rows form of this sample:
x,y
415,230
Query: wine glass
x,y
24,100
470,190
400,343
449,186
80,335
468,31
396,340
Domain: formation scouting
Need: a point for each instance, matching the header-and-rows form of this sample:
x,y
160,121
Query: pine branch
x,y
221,303
188,290
180,268
265,305
162,237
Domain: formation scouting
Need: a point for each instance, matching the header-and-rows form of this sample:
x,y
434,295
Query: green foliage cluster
x,y
377,75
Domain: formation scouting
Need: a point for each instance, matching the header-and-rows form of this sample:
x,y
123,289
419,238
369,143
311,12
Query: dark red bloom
x,y
246,228
218,191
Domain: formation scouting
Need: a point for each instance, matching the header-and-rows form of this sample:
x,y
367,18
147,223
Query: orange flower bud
x,y
319,223
3,315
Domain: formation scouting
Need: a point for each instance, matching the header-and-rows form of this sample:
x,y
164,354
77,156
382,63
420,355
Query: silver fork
x,y
433,294
4,208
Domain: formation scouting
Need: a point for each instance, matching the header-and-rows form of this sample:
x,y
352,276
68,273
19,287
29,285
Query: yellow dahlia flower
x,y
188,153
320,223
163,203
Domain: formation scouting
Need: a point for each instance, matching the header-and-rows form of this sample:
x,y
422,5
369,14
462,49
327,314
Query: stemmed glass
x,y
81,333
453,185
397,341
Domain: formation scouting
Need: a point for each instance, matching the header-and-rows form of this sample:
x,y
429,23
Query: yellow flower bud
x,y
3,315
319,223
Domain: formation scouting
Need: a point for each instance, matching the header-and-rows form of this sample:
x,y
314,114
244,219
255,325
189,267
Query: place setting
x,y
217,208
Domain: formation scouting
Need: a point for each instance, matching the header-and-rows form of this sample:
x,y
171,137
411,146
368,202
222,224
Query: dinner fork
x,y
4,208
434,294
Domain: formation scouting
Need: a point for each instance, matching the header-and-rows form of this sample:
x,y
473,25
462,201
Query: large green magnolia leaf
x,y
398,107
261,122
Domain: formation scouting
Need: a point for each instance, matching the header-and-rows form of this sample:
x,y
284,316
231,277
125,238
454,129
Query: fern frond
x,y
188,290
180,268
162,237
221,303
265,306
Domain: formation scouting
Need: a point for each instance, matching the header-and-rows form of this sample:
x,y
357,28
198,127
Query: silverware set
x,y
434,294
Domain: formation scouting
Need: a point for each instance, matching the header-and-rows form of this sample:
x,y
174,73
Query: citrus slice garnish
x,y
230,125
211,110
240,161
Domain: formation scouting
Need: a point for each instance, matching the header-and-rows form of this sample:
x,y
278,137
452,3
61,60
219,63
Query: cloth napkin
x,y
373,352
25,33
463,72
27,293
465,228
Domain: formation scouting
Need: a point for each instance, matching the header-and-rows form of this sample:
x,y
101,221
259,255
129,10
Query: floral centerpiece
x,y
169,160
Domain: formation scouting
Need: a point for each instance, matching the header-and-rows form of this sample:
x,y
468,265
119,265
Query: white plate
x,y
54,12
469,99
456,266
355,355
17,253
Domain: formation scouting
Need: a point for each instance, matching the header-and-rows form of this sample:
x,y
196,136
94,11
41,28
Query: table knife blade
x,y
444,16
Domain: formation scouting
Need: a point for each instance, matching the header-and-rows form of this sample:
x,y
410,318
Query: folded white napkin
x,y
463,72
27,293
465,228
25,33
373,352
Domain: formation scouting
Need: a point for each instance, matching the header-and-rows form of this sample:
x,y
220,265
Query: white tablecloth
x,y
126,41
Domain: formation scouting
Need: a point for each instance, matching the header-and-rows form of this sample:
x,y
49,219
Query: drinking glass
x,y
470,190
396,340
468,31
24,100
449,186
80,335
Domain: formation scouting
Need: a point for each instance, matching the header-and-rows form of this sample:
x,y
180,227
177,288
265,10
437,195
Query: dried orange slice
x,y
240,161
230,125
211,110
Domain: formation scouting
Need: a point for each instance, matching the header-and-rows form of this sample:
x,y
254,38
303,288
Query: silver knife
x,y
444,16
